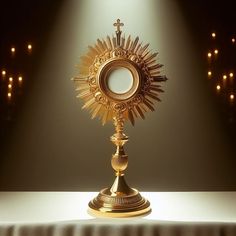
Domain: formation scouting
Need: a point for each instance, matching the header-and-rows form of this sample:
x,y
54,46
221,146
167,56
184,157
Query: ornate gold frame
x,y
103,75
119,200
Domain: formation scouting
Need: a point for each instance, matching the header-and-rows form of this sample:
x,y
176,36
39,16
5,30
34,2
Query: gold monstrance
x,y
119,80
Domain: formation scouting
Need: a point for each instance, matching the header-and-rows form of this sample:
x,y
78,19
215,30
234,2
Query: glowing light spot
x,y
216,51
209,73
218,87
3,72
231,75
10,79
13,50
231,97
233,40
29,47
224,77
9,95
9,86
20,78
209,55
213,35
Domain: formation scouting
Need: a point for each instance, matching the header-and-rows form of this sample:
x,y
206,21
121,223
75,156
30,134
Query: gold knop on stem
x,y
119,160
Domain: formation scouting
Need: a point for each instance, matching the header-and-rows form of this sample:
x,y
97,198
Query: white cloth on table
x,y
65,214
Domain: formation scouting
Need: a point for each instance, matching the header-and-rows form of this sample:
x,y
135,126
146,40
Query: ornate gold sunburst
x,y
111,54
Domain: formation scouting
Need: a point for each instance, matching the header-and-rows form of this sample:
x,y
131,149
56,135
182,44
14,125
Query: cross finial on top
x,y
118,24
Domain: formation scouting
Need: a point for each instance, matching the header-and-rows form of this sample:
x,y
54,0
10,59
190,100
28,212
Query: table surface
x,y
48,207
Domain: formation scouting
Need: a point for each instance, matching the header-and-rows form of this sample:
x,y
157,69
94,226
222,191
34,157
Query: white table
x,y
65,213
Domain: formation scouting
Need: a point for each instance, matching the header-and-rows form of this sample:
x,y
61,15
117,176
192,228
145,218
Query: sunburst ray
x,y
96,111
143,49
140,112
114,42
92,51
122,42
128,43
109,43
131,116
134,44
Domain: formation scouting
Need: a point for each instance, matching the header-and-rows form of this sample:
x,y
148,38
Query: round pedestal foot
x,y
120,205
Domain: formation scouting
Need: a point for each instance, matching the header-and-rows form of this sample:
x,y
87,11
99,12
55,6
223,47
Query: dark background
x,y
22,23
25,21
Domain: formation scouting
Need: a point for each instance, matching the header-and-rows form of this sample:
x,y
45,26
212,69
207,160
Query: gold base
x,y
119,201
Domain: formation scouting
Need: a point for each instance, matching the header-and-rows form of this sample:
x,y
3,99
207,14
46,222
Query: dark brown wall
x,y
182,146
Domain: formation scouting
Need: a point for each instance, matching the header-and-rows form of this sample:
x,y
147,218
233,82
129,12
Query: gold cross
x,y
118,25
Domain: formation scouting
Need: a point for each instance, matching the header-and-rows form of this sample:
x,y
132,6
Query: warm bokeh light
x,y
29,47
13,49
227,82
10,79
9,95
3,72
209,55
9,86
20,78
